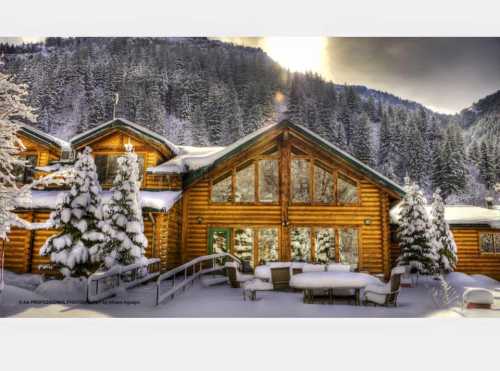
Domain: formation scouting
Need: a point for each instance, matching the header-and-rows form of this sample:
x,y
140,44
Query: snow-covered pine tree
x,y
486,168
324,242
12,105
123,224
299,240
415,236
445,243
78,217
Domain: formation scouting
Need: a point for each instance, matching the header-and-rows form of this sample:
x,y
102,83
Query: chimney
x,y
489,202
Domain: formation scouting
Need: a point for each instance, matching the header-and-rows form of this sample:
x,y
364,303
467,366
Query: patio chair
x,y
385,294
234,276
280,278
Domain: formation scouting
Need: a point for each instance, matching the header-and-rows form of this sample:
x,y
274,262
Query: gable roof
x,y
121,123
44,138
196,164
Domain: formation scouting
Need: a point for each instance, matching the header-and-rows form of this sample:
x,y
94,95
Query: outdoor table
x,y
264,271
330,281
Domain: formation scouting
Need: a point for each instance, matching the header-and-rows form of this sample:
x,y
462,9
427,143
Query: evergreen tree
x,y
361,141
78,217
445,243
415,236
486,168
123,225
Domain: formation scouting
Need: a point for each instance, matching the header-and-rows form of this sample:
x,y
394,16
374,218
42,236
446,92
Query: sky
x,y
445,74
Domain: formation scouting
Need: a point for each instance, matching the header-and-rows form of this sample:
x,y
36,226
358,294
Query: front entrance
x,y
219,240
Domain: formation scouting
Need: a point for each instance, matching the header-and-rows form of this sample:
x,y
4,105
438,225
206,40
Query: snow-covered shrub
x,y
445,244
78,216
123,224
415,236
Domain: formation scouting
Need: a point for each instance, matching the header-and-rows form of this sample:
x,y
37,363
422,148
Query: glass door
x,y
219,240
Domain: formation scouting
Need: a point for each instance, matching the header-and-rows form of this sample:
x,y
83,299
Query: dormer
x,y
108,140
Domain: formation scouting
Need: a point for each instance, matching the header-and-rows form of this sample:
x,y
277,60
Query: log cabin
x,y
280,193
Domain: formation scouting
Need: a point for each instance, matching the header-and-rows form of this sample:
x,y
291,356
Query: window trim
x,y
496,249
336,228
142,154
233,170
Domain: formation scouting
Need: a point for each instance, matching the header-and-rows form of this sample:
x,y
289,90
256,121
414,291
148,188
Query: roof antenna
x,y
117,98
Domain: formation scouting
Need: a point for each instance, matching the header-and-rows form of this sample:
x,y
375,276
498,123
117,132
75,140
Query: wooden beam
x,y
386,243
285,193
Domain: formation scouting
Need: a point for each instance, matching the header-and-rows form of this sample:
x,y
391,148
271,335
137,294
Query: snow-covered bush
x,y
415,235
123,225
78,215
445,244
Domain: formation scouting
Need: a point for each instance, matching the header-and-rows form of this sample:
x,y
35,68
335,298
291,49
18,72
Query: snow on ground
x,y
26,281
224,301
68,289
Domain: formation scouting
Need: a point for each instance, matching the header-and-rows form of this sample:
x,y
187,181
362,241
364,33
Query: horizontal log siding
x,y
17,248
470,259
198,206
174,235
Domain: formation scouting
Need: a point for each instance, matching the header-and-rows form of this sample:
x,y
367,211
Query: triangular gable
x,y
250,139
44,139
128,126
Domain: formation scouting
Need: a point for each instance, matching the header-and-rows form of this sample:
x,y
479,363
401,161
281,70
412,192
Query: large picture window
x,y
323,185
324,240
348,190
489,243
348,246
107,166
300,244
268,245
300,174
245,184
268,180
221,189
243,244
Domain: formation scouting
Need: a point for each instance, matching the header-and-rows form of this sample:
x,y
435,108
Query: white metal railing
x,y
188,272
101,285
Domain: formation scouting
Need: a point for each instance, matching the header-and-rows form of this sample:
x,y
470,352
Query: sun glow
x,y
298,54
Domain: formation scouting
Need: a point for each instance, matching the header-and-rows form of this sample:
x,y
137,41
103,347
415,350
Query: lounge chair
x,y
235,277
280,278
385,294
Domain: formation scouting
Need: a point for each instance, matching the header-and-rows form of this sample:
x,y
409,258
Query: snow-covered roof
x,y
48,200
188,158
44,137
195,161
121,122
461,215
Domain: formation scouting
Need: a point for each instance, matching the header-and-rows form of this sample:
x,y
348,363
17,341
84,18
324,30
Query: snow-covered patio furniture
x,y
235,277
280,278
477,298
385,294
333,282
251,287
407,278
338,267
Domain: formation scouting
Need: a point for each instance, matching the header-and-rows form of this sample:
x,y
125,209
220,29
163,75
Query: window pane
x,y
112,168
300,244
323,185
140,159
101,163
497,242
243,244
268,181
221,189
325,245
245,184
486,242
300,180
348,246
268,245
219,242
348,192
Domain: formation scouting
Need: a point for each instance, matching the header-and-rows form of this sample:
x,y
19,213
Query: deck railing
x,y
102,285
185,274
